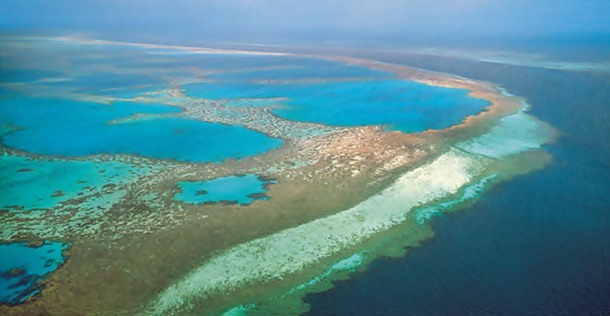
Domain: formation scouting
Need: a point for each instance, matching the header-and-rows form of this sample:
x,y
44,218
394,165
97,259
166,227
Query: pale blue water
x,y
33,264
29,75
252,102
231,67
298,68
237,189
75,128
122,86
398,104
324,91
77,68
28,184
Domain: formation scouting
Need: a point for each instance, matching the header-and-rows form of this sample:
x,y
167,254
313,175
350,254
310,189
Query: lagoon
x,y
23,266
401,105
238,189
69,128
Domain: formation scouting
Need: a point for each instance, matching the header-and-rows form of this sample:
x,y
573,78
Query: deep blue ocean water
x,y
539,244
536,245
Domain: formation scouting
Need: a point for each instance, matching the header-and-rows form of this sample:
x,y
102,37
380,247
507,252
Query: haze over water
x,y
536,244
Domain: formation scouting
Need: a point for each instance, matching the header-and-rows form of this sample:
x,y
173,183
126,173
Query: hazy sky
x,y
261,20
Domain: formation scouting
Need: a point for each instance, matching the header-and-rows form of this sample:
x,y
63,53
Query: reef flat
x,y
347,191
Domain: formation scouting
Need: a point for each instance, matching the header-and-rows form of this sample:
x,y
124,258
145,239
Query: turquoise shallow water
x,y
317,90
399,104
305,89
238,189
22,267
28,184
75,128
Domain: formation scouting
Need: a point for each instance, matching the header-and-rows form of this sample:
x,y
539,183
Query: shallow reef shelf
x,y
465,168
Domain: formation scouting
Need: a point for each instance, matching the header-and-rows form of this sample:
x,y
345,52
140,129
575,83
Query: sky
x,y
273,21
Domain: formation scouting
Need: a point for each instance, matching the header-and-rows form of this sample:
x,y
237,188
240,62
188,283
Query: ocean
x,y
536,245
140,137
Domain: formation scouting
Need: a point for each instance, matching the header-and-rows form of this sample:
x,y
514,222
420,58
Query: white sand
x,y
291,250
514,134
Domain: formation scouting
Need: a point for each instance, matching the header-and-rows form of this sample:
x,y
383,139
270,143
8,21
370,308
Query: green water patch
x,y
471,192
237,189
